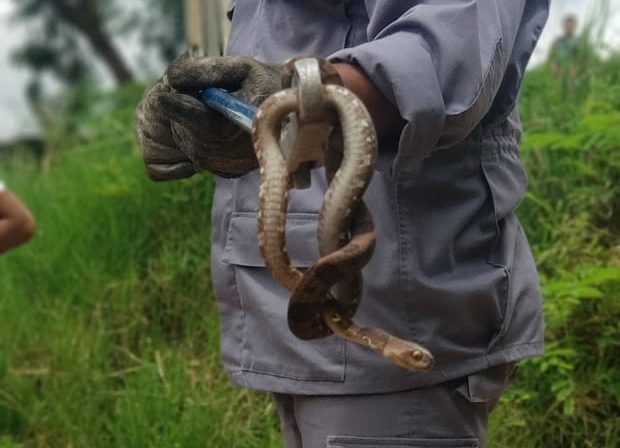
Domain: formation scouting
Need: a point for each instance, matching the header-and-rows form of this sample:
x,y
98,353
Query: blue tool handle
x,y
233,108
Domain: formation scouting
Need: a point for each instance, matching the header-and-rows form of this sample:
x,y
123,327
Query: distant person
x,y
16,222
565,50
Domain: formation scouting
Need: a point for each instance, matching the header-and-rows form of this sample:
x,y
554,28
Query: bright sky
x,y
16,119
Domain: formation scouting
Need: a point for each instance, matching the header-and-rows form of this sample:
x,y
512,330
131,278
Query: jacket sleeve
x,y
441,62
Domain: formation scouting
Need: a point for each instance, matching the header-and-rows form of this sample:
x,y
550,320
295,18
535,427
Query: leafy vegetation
x,y
68,37
109,329
108,326
570,397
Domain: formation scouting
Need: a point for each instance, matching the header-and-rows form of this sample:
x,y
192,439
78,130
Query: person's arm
x,y
385,115
17,224
441,64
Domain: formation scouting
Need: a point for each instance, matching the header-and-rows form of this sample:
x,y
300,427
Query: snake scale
x,y
326,296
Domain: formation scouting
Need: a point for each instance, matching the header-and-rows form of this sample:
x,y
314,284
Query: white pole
x,y
195,27
206,27
225,28
213,23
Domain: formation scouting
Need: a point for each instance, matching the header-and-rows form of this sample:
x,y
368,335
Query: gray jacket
x,y
453,268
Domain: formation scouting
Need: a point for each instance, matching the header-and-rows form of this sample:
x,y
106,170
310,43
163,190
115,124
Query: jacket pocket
x,y
488,385
447,232
301,240
506,181
268,347
392,442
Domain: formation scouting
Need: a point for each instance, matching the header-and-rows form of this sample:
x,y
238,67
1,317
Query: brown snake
x,y
326,296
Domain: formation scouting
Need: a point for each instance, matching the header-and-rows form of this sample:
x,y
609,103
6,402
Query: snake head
x,y
408,355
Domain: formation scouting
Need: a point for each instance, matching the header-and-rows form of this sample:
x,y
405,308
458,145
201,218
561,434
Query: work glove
x,y
179,136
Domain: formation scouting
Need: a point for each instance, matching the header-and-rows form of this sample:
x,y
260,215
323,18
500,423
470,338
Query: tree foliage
x,y
65,34
162,27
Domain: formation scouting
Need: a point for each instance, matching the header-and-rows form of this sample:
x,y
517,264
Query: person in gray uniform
x,y
452,268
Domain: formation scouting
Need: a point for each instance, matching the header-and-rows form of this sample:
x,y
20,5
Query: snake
x,y
326,295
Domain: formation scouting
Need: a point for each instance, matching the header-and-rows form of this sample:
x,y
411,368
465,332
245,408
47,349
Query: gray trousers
x,y
452,414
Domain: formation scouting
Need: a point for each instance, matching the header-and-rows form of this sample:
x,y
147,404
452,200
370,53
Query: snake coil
x,y
326,296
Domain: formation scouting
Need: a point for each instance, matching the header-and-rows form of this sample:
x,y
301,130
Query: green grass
x,y
109,329
570,397
108,326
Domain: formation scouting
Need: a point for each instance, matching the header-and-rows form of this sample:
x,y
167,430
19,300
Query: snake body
x,y
326,296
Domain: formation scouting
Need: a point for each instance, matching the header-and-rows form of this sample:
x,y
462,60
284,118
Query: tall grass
x,y
108,326
109,329
570,397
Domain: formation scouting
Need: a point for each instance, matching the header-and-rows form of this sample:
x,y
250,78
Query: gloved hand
x,y
179,135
